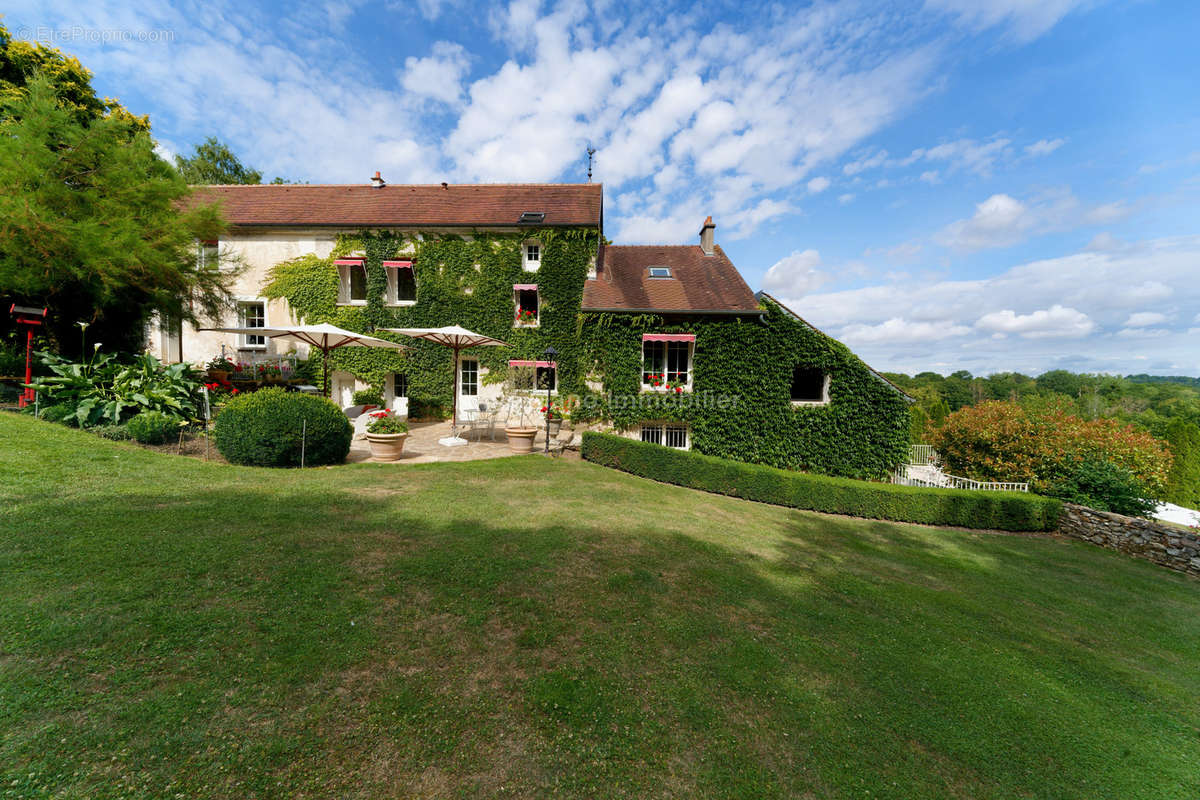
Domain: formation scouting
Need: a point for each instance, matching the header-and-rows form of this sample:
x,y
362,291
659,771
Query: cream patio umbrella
x,y
458,339
324,337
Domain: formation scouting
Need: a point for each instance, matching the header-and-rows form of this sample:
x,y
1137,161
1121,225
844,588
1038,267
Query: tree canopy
x,y
93,224
212,162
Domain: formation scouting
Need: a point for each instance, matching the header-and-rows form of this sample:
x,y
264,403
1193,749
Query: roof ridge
x,y
386,186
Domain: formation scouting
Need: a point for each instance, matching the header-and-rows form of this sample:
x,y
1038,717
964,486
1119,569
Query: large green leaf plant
x,y
104,391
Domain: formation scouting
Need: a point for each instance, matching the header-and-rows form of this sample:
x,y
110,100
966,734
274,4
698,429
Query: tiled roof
x,y
697,283
435,205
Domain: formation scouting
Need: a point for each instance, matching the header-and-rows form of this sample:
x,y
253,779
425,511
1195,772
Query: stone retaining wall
x,y
1154,541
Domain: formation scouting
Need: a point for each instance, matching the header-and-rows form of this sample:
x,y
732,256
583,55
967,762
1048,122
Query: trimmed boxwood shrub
x,y
1010,511
153,427
263,429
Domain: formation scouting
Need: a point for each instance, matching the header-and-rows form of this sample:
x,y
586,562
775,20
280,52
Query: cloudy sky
x,y
942,184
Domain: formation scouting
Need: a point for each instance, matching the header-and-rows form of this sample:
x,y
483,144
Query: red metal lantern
x,y
31,318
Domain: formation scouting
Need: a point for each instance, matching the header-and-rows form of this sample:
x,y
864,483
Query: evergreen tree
x,y
214,163
1183,481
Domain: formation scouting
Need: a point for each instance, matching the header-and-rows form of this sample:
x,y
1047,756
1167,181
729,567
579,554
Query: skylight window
x,y
532,218
660,272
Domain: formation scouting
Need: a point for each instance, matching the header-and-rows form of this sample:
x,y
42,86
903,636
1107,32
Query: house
x,y
667,343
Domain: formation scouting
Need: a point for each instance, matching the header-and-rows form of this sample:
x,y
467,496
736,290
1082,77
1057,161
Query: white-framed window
x,y
531,256
666,364
468,377
810,386
399,384
534,376
208,254
402,283
252,314
668,434
352,281
526,306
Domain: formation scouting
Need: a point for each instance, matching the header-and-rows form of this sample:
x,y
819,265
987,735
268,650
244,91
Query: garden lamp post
x,y
550,354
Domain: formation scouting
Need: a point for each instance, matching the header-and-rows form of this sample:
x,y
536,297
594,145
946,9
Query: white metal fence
x,y
922,470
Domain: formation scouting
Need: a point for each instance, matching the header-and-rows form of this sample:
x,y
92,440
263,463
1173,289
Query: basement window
x,y
668,434
810,386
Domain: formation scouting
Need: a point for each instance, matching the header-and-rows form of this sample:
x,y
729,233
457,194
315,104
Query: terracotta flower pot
x,y
386,446
554,426
218,375
520,440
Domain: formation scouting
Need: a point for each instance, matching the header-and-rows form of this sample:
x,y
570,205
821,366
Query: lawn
x,y
530,627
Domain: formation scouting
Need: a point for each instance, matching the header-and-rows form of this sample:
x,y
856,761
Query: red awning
x,y
524,287
348,262
515,363
668,337
398,264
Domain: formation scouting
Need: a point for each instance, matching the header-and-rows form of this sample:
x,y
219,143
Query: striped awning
x,y
668,337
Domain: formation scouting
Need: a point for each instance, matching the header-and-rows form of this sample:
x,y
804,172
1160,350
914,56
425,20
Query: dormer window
x,y
352,281
532,218
660,272
532,256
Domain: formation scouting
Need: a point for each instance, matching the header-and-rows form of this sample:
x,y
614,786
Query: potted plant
x,y
220,368
553,415
526,316
518,430
386,434
271,373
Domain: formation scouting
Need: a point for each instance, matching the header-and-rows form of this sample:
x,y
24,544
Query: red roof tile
x,y
697,283
455,205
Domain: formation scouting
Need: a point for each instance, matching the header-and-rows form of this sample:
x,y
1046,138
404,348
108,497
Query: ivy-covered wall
x,y
740,404
461,280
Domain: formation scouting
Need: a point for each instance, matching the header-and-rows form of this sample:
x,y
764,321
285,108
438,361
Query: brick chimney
x,y
377,181
706,237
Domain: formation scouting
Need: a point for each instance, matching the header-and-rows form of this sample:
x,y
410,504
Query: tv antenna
x,y
591,151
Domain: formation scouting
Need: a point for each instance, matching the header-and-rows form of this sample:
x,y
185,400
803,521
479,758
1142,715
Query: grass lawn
x,y
532,627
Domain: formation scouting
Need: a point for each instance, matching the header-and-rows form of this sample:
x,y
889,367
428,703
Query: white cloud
x,y
1044,147
999,221
1104,241
438,76
1144,319
818,185
1024,20
1002,220
965,154
846,199
902,331
1066,312
1143,333
796,275
1054,322
877,159
931,177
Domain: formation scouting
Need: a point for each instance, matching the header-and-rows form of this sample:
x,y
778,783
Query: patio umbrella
x,y
458,339
324,337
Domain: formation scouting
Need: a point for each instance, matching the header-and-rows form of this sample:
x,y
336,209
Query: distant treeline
x,y
1166,407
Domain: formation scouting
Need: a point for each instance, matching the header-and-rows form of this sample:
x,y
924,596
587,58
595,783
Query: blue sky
x,y
942,184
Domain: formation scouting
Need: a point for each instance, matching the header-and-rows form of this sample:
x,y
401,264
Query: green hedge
x,y
1009,511
263,429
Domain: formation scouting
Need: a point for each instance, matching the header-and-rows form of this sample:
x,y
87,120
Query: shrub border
x,y
1009,511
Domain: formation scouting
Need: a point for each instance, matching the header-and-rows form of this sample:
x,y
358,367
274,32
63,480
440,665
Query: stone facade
x,y
1154,541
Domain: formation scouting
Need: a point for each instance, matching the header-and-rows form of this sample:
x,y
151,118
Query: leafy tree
x,y
20,61
1183,481
214,163
1005,441
93,223
1061,381
1104,486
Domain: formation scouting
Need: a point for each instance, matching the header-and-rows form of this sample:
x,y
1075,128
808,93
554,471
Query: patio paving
x,y
421,446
